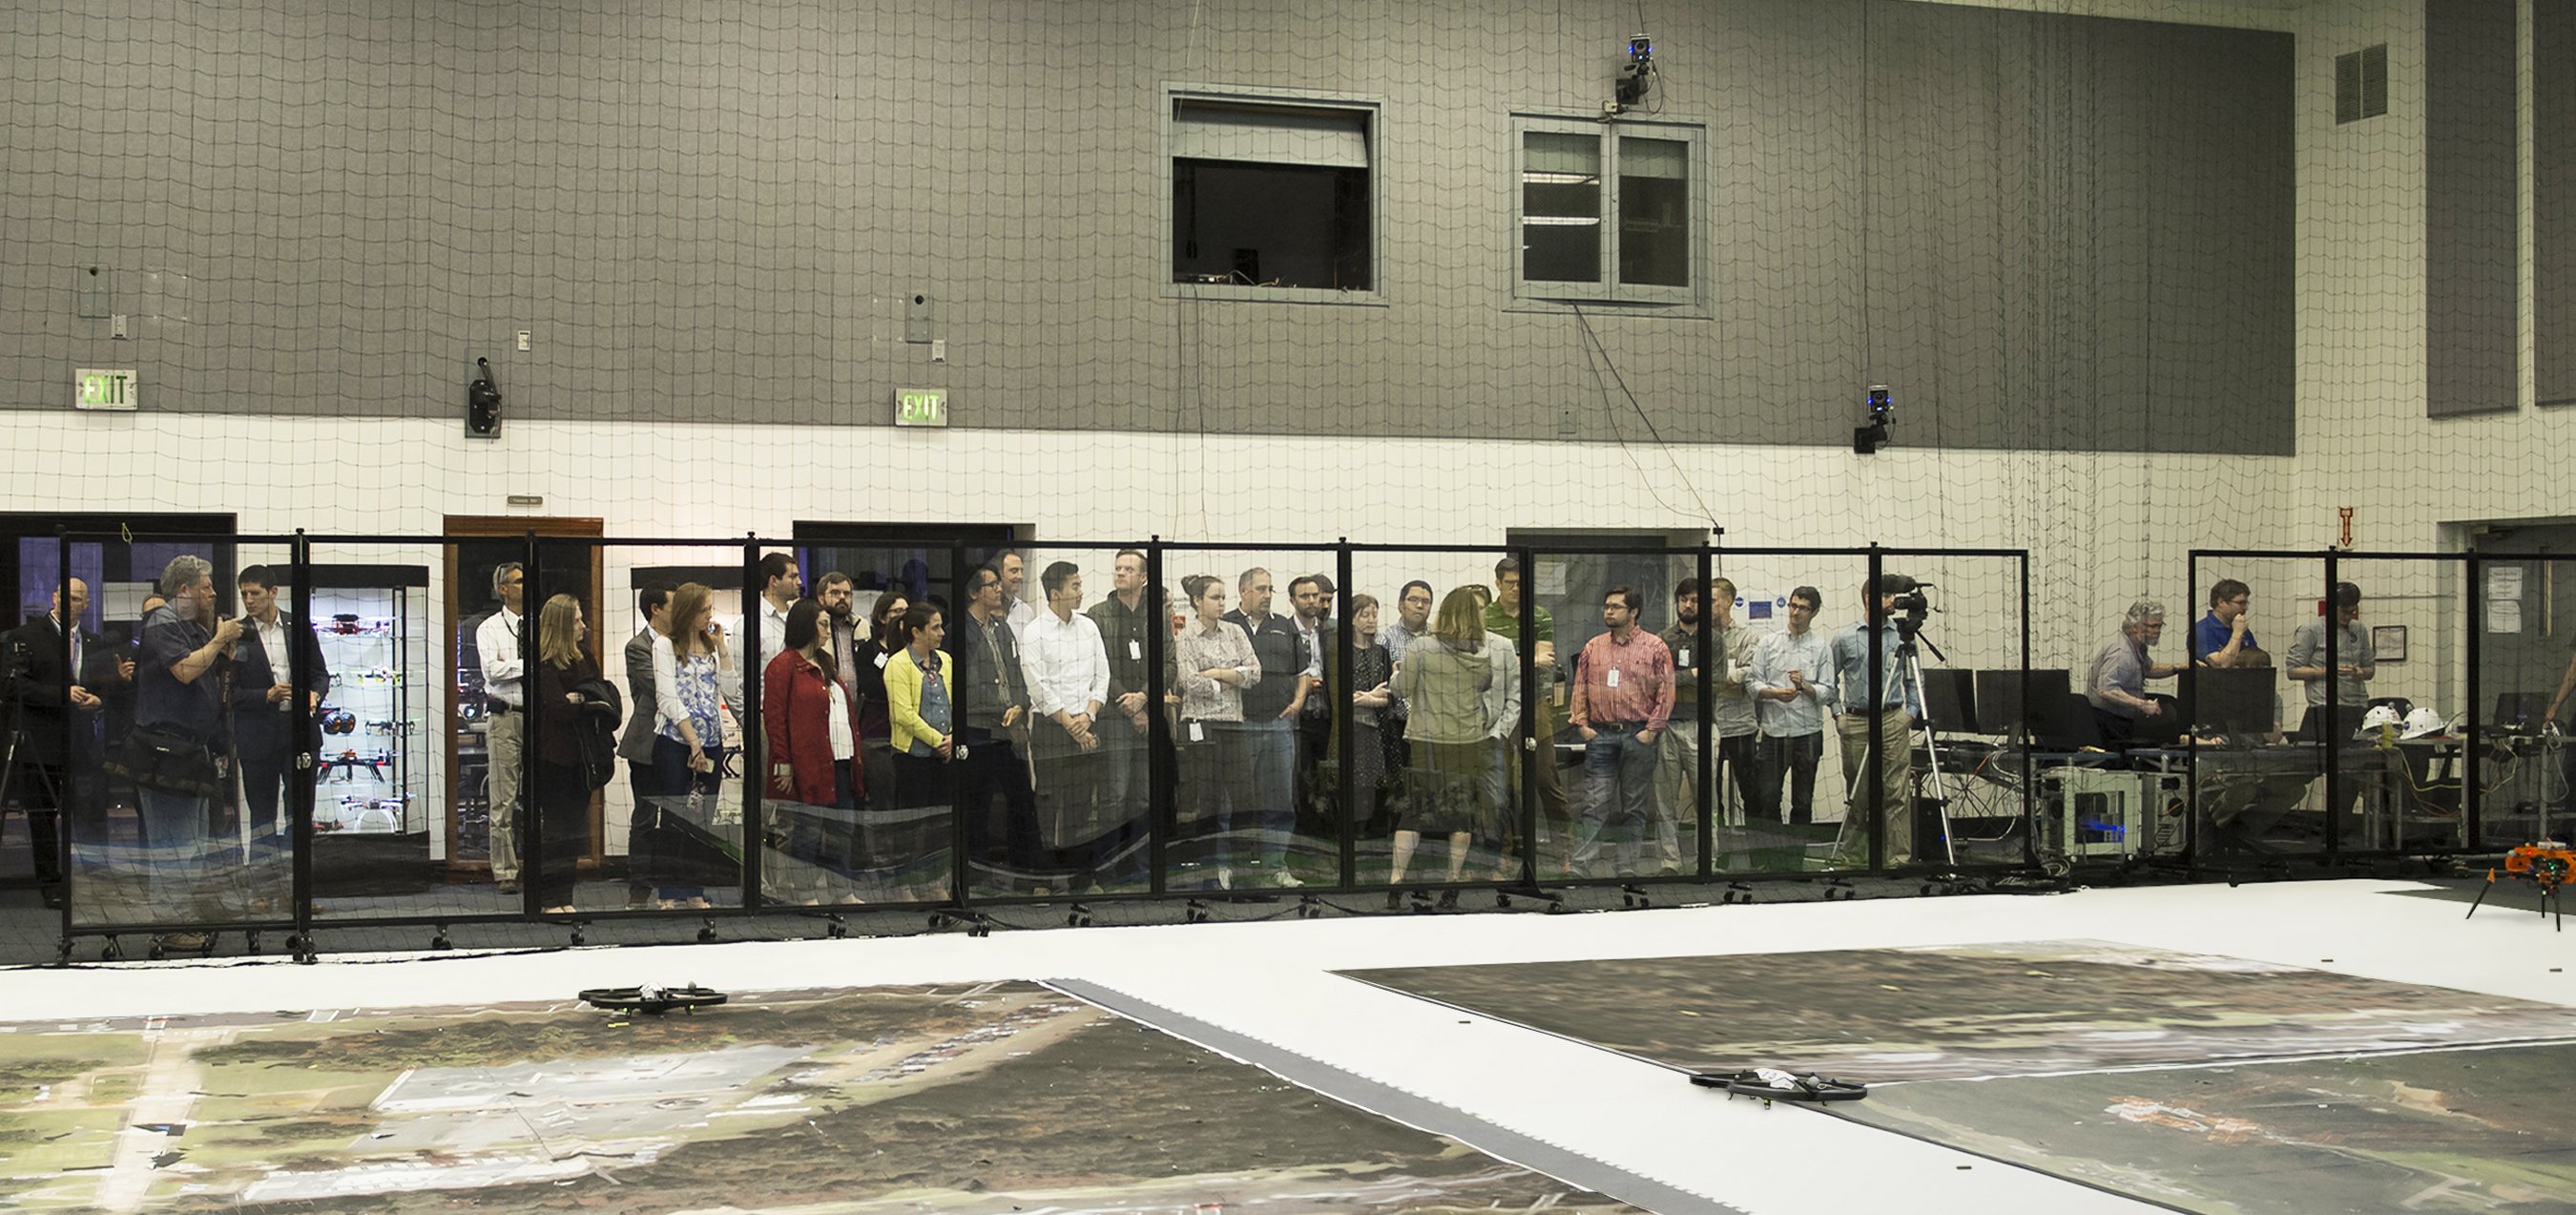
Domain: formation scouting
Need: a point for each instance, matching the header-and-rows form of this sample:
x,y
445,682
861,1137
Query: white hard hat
x,y
2380,717
2424,721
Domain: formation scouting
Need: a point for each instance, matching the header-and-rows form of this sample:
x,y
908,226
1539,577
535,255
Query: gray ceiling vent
x,y
2361,84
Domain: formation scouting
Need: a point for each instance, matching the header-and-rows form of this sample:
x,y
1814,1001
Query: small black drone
x,y
1772,1084
653,1000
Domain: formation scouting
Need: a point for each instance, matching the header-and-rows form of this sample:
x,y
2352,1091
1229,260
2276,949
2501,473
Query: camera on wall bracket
x,y
1635,77
1869,437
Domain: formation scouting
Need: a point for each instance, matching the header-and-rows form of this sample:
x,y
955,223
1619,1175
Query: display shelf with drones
x,y
369,776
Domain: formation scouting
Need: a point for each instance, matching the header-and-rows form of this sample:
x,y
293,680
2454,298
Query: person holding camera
x,y
174,752
1877,728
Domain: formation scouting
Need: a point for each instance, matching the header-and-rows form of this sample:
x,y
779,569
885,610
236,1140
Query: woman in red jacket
x,y
809,719
813,748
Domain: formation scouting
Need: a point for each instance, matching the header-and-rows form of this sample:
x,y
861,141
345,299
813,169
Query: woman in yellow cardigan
x,y
921,711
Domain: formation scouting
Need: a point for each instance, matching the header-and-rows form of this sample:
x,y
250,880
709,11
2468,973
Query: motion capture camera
x,y
1635,76
1867,438
483,403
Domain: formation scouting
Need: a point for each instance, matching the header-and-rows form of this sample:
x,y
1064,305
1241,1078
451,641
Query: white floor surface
x,y
1274,982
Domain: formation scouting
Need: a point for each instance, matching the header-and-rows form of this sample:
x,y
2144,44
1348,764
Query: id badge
x,y
1684,658
1613,679
1135,650
1198,732
881,659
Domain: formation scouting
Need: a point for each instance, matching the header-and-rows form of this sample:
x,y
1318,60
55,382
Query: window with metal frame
x,y
1608,212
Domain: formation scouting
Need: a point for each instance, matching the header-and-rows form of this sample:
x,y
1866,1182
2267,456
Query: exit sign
x,y
100,389
921,407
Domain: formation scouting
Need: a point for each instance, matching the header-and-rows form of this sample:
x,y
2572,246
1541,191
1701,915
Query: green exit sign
x,y
921,407
94,388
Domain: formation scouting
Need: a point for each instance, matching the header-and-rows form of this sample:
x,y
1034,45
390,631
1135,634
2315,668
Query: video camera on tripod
x,y
1908,604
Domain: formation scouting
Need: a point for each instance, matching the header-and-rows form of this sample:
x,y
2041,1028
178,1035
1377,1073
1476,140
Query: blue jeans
x,y
1268,814
1789,761
1618,798
671,772
174,825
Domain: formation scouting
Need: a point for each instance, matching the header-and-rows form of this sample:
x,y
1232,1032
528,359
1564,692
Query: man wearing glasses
x,y
2116,681
2223,633
1792,682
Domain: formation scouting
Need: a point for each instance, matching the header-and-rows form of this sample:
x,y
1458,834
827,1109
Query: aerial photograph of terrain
x,y
1966,1012
2206,1083
991,1097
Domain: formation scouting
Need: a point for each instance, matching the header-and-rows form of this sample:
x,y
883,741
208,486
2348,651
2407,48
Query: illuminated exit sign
x,y
921,407
100,389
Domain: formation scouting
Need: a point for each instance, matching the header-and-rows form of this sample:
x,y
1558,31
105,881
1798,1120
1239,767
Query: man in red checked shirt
x,y
1623,699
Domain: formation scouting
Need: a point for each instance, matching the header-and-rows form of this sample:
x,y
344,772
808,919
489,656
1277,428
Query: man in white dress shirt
x,y
505,719
1067,671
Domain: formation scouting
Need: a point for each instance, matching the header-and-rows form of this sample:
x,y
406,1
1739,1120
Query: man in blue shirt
x,y
1890,744
2222,634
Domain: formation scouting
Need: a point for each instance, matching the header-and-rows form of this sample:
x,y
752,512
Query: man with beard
x,y
842,634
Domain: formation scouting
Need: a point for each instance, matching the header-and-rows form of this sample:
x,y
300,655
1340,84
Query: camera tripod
x,y
15,785
1909,661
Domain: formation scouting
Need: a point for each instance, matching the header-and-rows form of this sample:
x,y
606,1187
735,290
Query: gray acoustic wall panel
x,y
2105,250
2472,237
2553,195
2046,231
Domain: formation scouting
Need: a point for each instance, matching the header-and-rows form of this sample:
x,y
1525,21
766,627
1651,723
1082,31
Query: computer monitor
x,y
1998,697
2234,700
1950,698
2062,721
2520,712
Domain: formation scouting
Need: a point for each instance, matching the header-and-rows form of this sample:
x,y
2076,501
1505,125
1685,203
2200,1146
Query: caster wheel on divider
x,y
834,928
937,921
980,930
707,930
1503,901
438,939
1310,908
579,937
1195,913
113,951
250,942
300,948
63,952
1078,917
157,951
